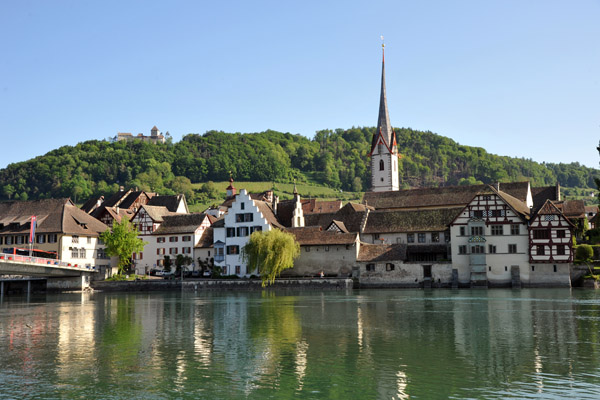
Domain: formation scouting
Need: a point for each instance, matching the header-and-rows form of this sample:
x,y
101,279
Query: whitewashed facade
x,y
490,240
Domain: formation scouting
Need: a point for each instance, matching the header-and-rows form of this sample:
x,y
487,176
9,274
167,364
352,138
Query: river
x,y
367,344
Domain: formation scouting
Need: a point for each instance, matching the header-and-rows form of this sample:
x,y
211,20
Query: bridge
x,y
58,274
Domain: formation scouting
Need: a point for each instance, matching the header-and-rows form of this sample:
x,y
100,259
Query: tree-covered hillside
x,y
338,159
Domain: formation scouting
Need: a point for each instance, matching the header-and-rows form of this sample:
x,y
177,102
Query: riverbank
x,y
221,284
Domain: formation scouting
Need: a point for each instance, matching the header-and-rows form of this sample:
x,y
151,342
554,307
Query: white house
x,y
233,231
490,240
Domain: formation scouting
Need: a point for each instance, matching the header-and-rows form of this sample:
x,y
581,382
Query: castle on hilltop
x,y
155,136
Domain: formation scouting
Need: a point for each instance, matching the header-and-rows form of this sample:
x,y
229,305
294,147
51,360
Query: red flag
x,y
32,230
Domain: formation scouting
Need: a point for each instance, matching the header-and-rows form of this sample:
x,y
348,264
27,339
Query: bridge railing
x,y
45,261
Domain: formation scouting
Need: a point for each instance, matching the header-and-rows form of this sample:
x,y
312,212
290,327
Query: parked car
x,y
195,274
156,272
207,274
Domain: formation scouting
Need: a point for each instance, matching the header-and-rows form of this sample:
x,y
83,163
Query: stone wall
x,y
222,284
400,274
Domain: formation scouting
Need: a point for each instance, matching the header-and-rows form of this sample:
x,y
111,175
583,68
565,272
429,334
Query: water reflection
x,y
368,344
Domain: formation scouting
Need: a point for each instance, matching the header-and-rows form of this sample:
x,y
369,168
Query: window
x,y
498,213
160,263
421,237
381,165
487,197
477,231
101,254
435,237
555,268
389,267
173,239
410,237
225,270
560,250
476,214
160,240
462,231
561,234
242,231
160,251
173,250
255,229
307,249
75,239
186,250
512,248
477,249
9,240
326,248
218,251
540,250
140,255
242,206
230,232
89,240
20,240
1,238
541,234
82,253
52,238
247,217
238,269
492,249
233,249
515,229
462,249
497,230
370,267
548,217
533,267
74,252
186,239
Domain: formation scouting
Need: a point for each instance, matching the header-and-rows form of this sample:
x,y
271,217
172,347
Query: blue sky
x,y
518,78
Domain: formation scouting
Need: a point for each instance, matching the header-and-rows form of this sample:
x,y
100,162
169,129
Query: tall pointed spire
x,y
383,121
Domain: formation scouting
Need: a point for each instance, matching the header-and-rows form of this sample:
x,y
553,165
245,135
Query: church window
x,y
381,165
379,148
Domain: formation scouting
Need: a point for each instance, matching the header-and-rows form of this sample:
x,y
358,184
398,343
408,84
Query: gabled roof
x,y
314,236
132,197
517,205
206,240
92,204
156,213
53,216
170,201
285,212
351,215
311,206
428,220
551,208
337,226
541,194
180,223
381,252
267,211
448,196
572,208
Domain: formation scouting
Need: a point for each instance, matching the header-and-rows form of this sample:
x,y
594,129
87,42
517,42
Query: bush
x,y
583,253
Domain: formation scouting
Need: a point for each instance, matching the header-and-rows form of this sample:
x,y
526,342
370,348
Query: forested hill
x,y
338,159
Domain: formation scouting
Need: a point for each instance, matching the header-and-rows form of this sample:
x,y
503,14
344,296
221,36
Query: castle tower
x,y
384,149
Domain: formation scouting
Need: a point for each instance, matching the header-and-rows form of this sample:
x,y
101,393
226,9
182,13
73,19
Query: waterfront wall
x,y
221,284
400,274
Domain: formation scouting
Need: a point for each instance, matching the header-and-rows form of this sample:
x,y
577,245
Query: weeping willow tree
x,y
270,253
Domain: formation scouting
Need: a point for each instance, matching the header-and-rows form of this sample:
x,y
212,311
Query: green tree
x,y
167,263
122,241
270,253
8,191
180,261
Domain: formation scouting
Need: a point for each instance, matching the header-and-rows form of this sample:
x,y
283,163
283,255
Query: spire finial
x,y
383,47
295,190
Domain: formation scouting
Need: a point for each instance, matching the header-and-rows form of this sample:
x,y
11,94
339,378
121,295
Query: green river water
x,y
367,344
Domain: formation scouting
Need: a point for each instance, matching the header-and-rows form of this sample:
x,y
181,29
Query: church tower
x,y
384,149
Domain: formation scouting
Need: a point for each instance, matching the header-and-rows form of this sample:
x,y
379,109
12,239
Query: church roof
x,y
447,196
